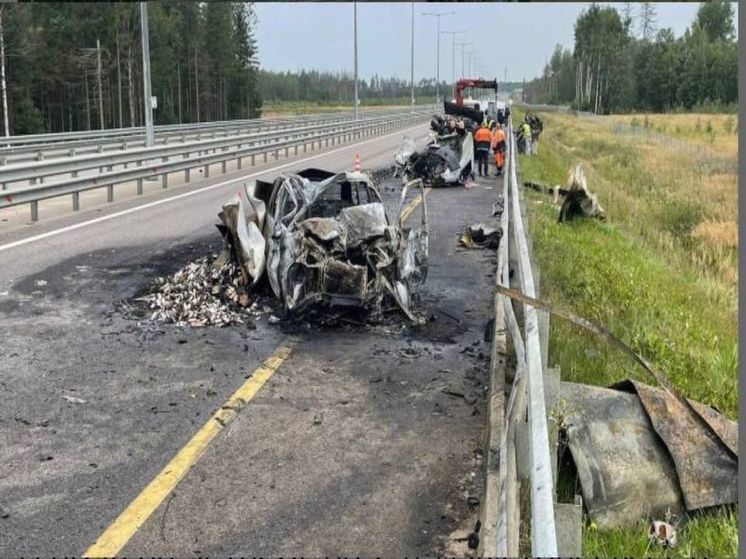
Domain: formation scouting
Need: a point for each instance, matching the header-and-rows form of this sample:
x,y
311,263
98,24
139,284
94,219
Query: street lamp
x,y
354,4
453,56
469,58
437,70
462,45
149,139
411,62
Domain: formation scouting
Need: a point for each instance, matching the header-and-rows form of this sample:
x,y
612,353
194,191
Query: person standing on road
x,y
526,130
498,146
482,139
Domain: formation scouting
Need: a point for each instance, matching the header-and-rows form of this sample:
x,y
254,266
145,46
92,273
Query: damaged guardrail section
x,y
675,456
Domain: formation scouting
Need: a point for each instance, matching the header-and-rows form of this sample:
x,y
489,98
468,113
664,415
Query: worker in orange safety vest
x,y
482,140
498,146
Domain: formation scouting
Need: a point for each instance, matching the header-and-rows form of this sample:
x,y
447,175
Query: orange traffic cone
x,y
357,162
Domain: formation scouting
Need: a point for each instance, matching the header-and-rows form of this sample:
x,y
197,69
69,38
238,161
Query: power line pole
x,y
100,94
437,67
355,31
411,63
147,94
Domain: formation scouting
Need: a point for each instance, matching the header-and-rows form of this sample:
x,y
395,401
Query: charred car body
x,y
325,242
448,157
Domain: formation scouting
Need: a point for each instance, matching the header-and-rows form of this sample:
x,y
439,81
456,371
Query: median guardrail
x,y
145,170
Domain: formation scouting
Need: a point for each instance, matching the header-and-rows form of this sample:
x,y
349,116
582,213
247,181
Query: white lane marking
x,y
62,230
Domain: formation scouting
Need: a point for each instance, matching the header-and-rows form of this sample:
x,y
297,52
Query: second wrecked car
x,y
324,240
447,159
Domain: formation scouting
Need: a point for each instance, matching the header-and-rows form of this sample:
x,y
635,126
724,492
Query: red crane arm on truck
x,y
463,83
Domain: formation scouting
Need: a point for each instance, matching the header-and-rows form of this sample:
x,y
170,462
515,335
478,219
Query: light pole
x,y
354,4
469,58
462,45
437,69
453,56
149,140
411,61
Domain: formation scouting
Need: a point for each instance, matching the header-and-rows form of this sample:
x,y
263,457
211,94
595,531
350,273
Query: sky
x,y
515,37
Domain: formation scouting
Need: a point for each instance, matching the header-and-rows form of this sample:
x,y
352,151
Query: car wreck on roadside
x,y
325,243
446,160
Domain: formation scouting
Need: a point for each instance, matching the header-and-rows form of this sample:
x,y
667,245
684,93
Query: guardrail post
x,y
187,175
76,201
326,143
239,161
264,155
164,179
35,211
295,150
253,159
207,170
223,166
305,147
276,154
139,187
287,152
109,192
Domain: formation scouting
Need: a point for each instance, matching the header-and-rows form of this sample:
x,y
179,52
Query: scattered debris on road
x,y
209,291
480,235
74,400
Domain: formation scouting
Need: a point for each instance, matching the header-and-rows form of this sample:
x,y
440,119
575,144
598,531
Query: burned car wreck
x,y
325,243
447,159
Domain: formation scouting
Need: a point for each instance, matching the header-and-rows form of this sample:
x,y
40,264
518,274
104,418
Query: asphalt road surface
x,y
355,440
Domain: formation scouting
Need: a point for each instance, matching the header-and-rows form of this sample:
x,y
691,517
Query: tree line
x,y
339,87
78,66
620,62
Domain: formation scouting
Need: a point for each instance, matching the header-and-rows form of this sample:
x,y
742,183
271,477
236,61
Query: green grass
x,y
636,273
305,107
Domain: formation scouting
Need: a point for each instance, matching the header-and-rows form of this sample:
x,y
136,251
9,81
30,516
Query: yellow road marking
x,y
134,516
412,206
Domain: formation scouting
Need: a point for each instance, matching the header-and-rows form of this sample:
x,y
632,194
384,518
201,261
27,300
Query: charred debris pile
x,y
321,243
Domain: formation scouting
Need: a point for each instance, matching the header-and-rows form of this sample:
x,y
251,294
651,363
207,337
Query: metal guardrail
x,y
73,186
527,392
38,170
44,146
263,121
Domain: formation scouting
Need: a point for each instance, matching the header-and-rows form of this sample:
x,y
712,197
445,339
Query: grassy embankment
x,y
661,272
280,108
